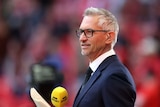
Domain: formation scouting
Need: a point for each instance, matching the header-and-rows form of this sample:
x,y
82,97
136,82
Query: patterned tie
x,y
88,75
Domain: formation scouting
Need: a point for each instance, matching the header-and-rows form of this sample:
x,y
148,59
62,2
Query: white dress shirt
x,y
94,65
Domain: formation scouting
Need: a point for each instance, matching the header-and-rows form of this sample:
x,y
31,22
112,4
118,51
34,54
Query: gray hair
x,y
106,20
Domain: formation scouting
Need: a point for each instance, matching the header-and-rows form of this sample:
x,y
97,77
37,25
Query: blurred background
x,y
43,31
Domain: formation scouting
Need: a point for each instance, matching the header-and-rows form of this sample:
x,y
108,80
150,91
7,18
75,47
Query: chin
x,y
84,53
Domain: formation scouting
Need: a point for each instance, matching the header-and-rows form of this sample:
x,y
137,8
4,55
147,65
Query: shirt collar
x,y
94,65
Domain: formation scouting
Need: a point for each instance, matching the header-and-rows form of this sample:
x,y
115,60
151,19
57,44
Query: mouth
x,y
84,46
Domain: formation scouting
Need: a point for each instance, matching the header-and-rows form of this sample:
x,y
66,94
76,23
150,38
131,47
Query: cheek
x,y
98,43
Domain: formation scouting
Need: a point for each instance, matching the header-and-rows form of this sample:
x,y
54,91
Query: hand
x,y
38,99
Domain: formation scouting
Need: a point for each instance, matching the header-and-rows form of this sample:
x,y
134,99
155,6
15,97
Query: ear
x,y
110,36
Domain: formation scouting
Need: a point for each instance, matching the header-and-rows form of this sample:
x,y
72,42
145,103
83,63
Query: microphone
x,y
59,96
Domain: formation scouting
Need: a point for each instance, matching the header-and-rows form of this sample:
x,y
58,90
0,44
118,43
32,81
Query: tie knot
x,y
89,71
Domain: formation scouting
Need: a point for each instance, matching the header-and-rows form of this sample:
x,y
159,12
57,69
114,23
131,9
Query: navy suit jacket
x,y
111,85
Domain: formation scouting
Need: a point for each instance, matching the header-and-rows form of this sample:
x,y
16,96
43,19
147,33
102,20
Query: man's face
x,y
95,45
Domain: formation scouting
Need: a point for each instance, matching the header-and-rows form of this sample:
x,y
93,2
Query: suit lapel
x,y
83,91
95,76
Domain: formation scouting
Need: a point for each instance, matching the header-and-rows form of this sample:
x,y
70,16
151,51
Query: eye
x,y
88,31
79,32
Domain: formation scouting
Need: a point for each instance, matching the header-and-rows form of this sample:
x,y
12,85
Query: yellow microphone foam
x,y
59,96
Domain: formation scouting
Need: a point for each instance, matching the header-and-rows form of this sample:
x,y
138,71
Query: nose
x,y
82,37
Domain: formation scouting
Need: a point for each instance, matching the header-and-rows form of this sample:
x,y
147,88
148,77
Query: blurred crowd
x,y
35,31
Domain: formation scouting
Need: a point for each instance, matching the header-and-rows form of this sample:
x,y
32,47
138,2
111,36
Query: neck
x,y
99,53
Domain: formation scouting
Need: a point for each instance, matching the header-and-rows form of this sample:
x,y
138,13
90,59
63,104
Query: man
x,y
110,84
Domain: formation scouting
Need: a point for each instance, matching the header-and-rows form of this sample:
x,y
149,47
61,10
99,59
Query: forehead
x,y
89,22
